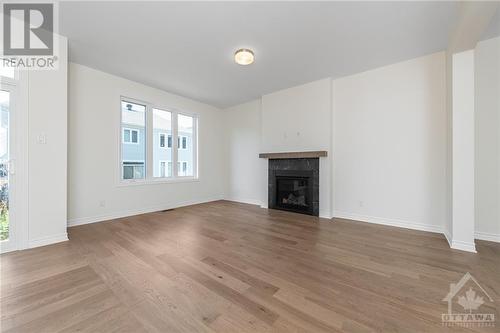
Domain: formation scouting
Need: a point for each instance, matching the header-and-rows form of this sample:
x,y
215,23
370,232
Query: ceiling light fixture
x,y
244,57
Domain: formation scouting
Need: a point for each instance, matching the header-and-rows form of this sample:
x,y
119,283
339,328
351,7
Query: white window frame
x,y
194,139
18,191
131,130
149,144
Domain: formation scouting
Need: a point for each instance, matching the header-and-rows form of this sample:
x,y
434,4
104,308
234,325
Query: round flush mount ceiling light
x,y
244,57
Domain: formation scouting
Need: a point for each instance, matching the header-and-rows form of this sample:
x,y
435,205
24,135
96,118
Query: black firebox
x,y
294,185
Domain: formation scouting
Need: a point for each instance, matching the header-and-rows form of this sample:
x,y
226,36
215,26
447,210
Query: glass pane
x,y
134,150
126,135
6,71
162,126
186,154
128,172
4,163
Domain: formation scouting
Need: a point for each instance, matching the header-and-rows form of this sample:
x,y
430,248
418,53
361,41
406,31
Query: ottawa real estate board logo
x,y
467,305
28,33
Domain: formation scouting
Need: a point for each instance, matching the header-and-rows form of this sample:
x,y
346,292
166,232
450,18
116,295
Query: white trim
x,y
132,212
463,246
325,215
158,180
245,201
48,240
389,222
447,235
487,236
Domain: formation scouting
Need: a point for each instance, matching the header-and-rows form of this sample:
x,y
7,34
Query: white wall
x,y
487,135
463,151
47,168
94,122
389,151
387,128
246,171
299,119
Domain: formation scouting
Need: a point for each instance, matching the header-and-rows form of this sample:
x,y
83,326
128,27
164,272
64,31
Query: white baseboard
x,y
325,215
447,235
132,212
389,222
487,236
463,246
246,201
47,240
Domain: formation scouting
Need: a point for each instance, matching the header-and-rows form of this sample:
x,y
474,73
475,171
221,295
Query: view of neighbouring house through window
x,y
133,140
162,143
185,125
4,162
167,149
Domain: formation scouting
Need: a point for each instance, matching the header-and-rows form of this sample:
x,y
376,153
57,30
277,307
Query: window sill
x,y
154,181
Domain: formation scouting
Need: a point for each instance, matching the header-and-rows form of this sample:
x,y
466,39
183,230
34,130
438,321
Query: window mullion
x,y
194,144
175,147
149,142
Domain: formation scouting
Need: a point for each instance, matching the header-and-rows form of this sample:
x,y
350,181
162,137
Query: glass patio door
x,y
7,230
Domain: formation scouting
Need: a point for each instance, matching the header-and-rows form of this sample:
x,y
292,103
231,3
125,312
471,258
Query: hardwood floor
x,y
228,267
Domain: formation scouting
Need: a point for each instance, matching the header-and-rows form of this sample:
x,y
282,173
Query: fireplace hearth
x,y
294,185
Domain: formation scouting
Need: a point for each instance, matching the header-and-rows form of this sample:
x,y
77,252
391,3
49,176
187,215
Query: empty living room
x,y
250,166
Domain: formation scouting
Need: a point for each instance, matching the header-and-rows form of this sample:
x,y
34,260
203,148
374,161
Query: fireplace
x,y
294,185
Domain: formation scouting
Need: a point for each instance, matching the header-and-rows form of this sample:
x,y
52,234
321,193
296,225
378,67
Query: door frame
x,y
18,146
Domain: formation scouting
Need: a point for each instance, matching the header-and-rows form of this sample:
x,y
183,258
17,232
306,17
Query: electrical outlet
x,y
41,139
102,203
361,203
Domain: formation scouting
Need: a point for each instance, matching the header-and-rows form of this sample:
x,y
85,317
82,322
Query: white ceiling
x,y
187,48
493,29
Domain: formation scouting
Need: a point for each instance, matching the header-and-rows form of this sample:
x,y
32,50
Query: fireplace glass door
x,y
293,193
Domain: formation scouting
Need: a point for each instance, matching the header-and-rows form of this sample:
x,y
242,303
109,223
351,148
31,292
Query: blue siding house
x,y
134,144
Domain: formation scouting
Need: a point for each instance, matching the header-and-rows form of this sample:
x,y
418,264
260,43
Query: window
x,y
182,142
162,124
165,169
133,170
7,71
186,132
182,167
162,140
130,135
148,150
133,150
